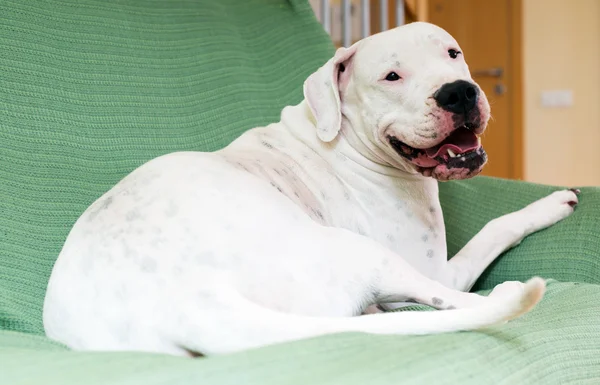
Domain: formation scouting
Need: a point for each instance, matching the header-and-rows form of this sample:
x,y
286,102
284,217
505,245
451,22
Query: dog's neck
x,y
350,144
354,142
355,167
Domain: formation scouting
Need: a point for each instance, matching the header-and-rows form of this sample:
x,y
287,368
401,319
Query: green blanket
x,y
90,89
557,343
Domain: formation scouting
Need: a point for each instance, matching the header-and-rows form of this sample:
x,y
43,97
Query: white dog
x,y
296,227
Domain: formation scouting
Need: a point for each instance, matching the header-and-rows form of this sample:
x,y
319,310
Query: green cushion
x,y
90,89
555,344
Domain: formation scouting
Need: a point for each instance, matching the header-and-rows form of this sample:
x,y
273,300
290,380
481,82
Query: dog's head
x,y
408,93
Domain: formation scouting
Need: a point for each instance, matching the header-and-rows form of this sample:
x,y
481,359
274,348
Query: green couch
x,y
90,89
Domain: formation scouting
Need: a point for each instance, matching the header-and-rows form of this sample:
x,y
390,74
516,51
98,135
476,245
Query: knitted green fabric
x,y
90,89
555,344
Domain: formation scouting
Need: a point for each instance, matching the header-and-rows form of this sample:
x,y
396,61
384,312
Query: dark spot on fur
x,y
318,213
267,144
424,237
436,301
360,230
107,202
133,215
148,265
451,307
102,206
240,165
430,253
296,194
277,187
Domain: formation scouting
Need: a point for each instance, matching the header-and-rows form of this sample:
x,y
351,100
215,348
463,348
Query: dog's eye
x,y
392,77
453,53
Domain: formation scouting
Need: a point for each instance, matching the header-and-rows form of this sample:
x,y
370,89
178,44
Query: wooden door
x,y
489,31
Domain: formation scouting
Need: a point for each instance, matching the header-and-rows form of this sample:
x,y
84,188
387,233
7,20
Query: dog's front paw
x,y
551,209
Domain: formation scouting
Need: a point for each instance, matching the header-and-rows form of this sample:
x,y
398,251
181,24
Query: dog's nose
x,y
459,97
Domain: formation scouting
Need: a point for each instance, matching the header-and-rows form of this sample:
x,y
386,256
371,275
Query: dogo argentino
x,y
295,229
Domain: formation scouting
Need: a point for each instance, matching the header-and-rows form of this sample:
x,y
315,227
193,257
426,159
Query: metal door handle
x,y
495,72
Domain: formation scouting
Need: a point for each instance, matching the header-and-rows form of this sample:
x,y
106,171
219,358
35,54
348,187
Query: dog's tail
x,y
251,325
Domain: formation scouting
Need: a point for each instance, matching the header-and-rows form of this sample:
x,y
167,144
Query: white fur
x,y
294,228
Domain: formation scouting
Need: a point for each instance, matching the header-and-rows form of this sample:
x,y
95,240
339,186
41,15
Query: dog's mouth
x,y
458,156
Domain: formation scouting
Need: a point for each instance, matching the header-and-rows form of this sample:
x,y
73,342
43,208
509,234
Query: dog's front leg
x,y
503,233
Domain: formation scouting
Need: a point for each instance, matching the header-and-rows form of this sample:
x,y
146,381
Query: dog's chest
x,y
403,215
407,220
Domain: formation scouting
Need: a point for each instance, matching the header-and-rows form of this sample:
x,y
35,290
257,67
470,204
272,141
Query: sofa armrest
x,y
567,251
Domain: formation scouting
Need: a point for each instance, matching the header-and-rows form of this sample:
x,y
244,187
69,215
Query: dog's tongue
x,y
460,141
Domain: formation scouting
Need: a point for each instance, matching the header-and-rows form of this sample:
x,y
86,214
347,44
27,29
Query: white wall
x,y
561,48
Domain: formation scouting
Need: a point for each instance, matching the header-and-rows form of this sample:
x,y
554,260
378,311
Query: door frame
x,y
515,82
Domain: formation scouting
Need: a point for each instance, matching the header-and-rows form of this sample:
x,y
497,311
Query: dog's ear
x,y
322,93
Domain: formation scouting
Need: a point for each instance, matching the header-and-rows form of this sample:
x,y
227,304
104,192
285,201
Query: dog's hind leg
x,y
225,321
241,324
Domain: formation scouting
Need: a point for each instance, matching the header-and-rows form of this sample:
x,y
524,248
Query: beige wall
x,y
561,46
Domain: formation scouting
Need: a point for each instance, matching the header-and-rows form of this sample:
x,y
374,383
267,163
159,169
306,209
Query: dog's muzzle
x,y
460,155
